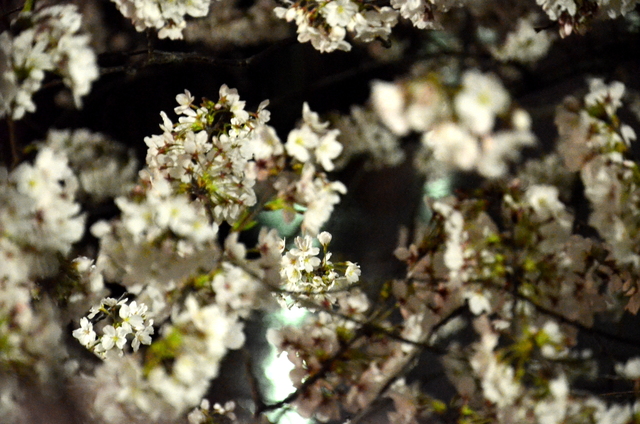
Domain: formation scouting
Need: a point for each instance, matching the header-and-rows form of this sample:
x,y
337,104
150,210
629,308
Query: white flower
x,y
50,42
339,12
328,149
185,100
544,201
478,301
319,195
630,370
236,289
521,120
300,141
525,44
113,337
607,96
166,16
85,334
555,8
265,143
352,273
628,134
372,24
196,417
414,10
481,99
453,145
304,247
454,228
497,148
142,336
389,103
132,315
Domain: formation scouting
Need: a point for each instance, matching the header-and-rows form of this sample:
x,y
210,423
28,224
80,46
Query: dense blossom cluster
x,y
524,44
206,153
129,319
165,242
46,40
329,346
572,14
166,16
40,218
467,260
304,273
326,23
461,130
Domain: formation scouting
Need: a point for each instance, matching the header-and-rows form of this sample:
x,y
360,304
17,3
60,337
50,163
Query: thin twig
x,y
256,395
577,324
13,142
150,44
10,12
317,293
159,57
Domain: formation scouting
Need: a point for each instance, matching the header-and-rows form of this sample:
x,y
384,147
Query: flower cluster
x,y
166,16
40,218
474,264
596,142
459,127
206,154
362,134
128,319
194,335
195,343
303,272
503,374
217,152
105,168
313,139
241,285
420,13
524,44
32,336
164,248
44,41
152,247
205,414
575,15
325,23
305,189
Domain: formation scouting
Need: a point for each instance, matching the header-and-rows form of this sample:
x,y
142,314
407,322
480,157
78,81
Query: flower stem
x,y
13,142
